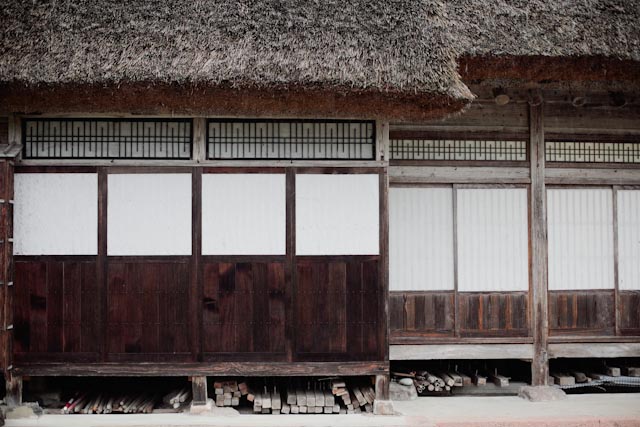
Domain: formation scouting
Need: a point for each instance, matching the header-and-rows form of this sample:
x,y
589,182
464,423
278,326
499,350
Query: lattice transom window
x,y
459,150
592,152
107,139
290,139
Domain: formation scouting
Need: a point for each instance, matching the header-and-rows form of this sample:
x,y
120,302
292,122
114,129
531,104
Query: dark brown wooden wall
x,y
244,310
337,309
57,309
582,312
148,311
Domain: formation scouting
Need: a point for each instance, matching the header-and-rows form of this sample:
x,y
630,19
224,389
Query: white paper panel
x,y
244,214
149,214
56,214
580,237
420,239
492,240
629,239
337,214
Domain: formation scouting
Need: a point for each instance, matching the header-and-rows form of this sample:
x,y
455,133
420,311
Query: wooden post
x,y
14,391
382,387
199,390
540,363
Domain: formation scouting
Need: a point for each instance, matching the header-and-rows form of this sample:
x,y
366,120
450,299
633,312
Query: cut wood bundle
x,y
229,392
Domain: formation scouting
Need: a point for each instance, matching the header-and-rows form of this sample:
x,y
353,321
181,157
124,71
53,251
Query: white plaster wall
x,y
580,239
420,239
149,214
243,214
337,214
492,240
629,239
56,214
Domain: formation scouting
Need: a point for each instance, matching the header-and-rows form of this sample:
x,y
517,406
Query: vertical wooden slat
x,y
540,364
102,263
616,277
291,270
456,300
196,286
226,294
382,295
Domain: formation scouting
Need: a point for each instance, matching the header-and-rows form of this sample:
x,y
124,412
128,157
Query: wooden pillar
x,y
14,391
540,320
382,387
6,266
199,390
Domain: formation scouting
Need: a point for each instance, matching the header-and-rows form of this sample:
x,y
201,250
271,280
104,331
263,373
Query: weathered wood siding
x,y
629,307
6,259
581,312
421,314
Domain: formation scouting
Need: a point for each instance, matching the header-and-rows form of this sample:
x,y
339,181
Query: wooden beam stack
x,y
229,392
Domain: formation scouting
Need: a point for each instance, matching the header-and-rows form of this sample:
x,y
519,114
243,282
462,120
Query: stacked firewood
x,y
313,397
125,403
229,392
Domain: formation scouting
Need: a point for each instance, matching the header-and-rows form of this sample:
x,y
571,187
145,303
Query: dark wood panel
x,y
57,307
581,312
629,312
493,313
337,309
148,310
421,314
243,308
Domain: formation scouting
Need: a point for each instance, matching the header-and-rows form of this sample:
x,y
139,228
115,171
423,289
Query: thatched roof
x,y
550,40
555,28
387,46
400,57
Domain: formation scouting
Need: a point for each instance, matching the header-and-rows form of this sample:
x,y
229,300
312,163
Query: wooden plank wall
x,y
57,309
629,308
582,312
244,310
427,314
147,311
493,314
336,306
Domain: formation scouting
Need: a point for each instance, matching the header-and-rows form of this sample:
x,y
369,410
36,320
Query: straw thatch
x,y
394,46
554,28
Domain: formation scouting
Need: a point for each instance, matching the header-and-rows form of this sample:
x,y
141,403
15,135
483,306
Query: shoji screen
x,y
149,214
243,214
421,239
56,214
629,239
580,238
492,225
337,214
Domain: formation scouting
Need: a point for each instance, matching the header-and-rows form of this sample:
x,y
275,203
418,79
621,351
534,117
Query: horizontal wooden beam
x,y
418,338
461,351
613,176
246,369
596,350
457,175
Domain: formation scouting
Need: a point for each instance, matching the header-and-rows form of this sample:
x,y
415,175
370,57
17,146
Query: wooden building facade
x,y
262,202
